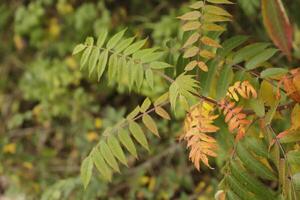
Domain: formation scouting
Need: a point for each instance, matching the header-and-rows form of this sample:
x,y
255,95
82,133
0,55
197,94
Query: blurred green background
x,y
52,114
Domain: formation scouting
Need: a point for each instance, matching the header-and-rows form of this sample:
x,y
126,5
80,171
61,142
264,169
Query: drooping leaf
x,y
192,25
127,142
191,65
216,10
145,105
295,117
210,42
78,48
161,112
86,171
211,18
278,25
115,39
159,65
100,164
102,63
93,60
253,164
108,156
138,134
251,183
116,149
258,107
260,58
101,38
150,123
273,72
123,45
249,51
197,5
86,54
191,52
134,47
149,78
191,40
224,81
193,15
212,27
220,1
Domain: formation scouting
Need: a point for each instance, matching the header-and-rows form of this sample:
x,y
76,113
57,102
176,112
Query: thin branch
x,y
284,157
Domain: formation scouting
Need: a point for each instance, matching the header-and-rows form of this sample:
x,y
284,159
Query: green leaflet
x,y
250,183
101,165
273,72
108,156
86,171
127,142
231,44
150,124
191,52
294,157
123,44
254,165
93,60
86,54
139,76
270,114
149,56
102,37
224,81
238,189
216,10
296,181
133,113
258,106
184,85
249,51
215,18
149,78
228,46
257,146
138,134
220,1
112,68
292,137
231,195
159,65
102,63
134,47
141,54
116,149
161,99
78,48
257,60
145,105
115,39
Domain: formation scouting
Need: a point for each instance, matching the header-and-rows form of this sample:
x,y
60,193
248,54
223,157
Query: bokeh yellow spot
x,y
71,62
92,136
10,148
54,28
27,165
98,123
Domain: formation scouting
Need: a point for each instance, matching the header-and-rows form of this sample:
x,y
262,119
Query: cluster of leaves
x,y
240,101
204,51
105,153
197,123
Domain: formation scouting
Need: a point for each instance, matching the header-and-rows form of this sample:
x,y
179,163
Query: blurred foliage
x,y
51,114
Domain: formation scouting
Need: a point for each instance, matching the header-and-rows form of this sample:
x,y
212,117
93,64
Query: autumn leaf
x,y
278,25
